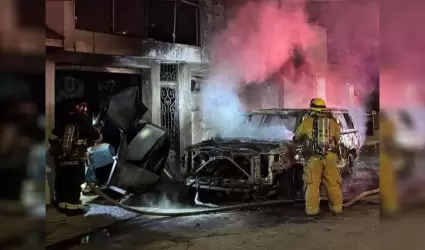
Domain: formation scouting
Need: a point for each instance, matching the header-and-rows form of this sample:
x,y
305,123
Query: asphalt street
x,y
267,227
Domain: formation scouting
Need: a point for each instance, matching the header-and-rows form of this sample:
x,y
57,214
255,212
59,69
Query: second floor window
x,y
174,21
94,15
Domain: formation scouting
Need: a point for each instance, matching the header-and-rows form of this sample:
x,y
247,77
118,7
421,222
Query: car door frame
x,y
346,132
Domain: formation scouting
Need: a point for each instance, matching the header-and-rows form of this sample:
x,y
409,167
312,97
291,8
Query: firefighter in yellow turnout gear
x,y
323,134
388,173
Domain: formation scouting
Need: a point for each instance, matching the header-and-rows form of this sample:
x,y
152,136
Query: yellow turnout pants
x,y
388,186
326,168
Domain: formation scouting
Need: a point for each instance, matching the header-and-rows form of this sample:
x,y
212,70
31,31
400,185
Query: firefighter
x,y
69,141
388,176
402,146
322,134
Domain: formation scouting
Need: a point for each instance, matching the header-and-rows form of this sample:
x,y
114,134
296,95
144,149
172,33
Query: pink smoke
x,y
353,44
260,38
259,41
402,86
256,49
402,53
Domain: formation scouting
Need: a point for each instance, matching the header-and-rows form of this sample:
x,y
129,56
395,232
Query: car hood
x,y
240,144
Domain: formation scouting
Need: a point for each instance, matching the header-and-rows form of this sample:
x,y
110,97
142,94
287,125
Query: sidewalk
x,y
62,230
356,229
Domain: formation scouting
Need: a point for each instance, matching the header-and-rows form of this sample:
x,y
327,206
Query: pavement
x,y
359,228
274,227
267,228
159,233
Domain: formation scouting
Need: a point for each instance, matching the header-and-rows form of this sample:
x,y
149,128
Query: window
x,y
125,17
349,121
254,121
161,20
173,21
341,121
187,23
286,121
129,17
93,15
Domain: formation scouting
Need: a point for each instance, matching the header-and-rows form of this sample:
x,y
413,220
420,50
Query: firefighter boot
x,y
68,179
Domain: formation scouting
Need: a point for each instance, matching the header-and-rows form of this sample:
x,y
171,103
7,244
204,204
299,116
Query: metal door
x,y
170,104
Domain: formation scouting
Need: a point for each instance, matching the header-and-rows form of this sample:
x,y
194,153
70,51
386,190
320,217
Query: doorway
x,y
74,86
170,112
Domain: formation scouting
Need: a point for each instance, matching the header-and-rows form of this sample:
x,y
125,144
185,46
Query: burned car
x,y
265,163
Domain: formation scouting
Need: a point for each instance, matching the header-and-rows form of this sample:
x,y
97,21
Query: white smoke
x,y
357,112
223,112
221,107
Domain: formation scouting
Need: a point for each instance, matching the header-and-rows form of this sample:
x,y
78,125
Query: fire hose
x,y
141,211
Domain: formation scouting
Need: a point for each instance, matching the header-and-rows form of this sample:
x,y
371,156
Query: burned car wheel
x,y
290,184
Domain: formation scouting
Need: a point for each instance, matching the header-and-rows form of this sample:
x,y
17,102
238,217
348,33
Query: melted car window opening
x,y
289,122
254,121
349,121
341,121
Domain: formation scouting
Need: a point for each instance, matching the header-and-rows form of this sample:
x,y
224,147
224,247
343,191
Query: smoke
x,y
401,83
353,29
259,39
256,43
402,53
161,200
220,104
359,119
257,48
223,109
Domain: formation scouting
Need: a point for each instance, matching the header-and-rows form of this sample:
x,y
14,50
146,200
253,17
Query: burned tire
x,y
284,189
290,183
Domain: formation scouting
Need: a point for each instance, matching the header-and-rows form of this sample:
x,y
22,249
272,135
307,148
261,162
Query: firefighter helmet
x,y
317,104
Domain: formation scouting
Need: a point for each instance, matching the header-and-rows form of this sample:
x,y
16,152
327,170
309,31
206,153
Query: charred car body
x,y
267,164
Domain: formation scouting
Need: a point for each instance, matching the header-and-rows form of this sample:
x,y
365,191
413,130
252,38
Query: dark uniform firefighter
x,y
322,133
69,141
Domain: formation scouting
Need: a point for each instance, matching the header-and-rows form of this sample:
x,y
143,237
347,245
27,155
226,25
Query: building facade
x,y
162,45
109,38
